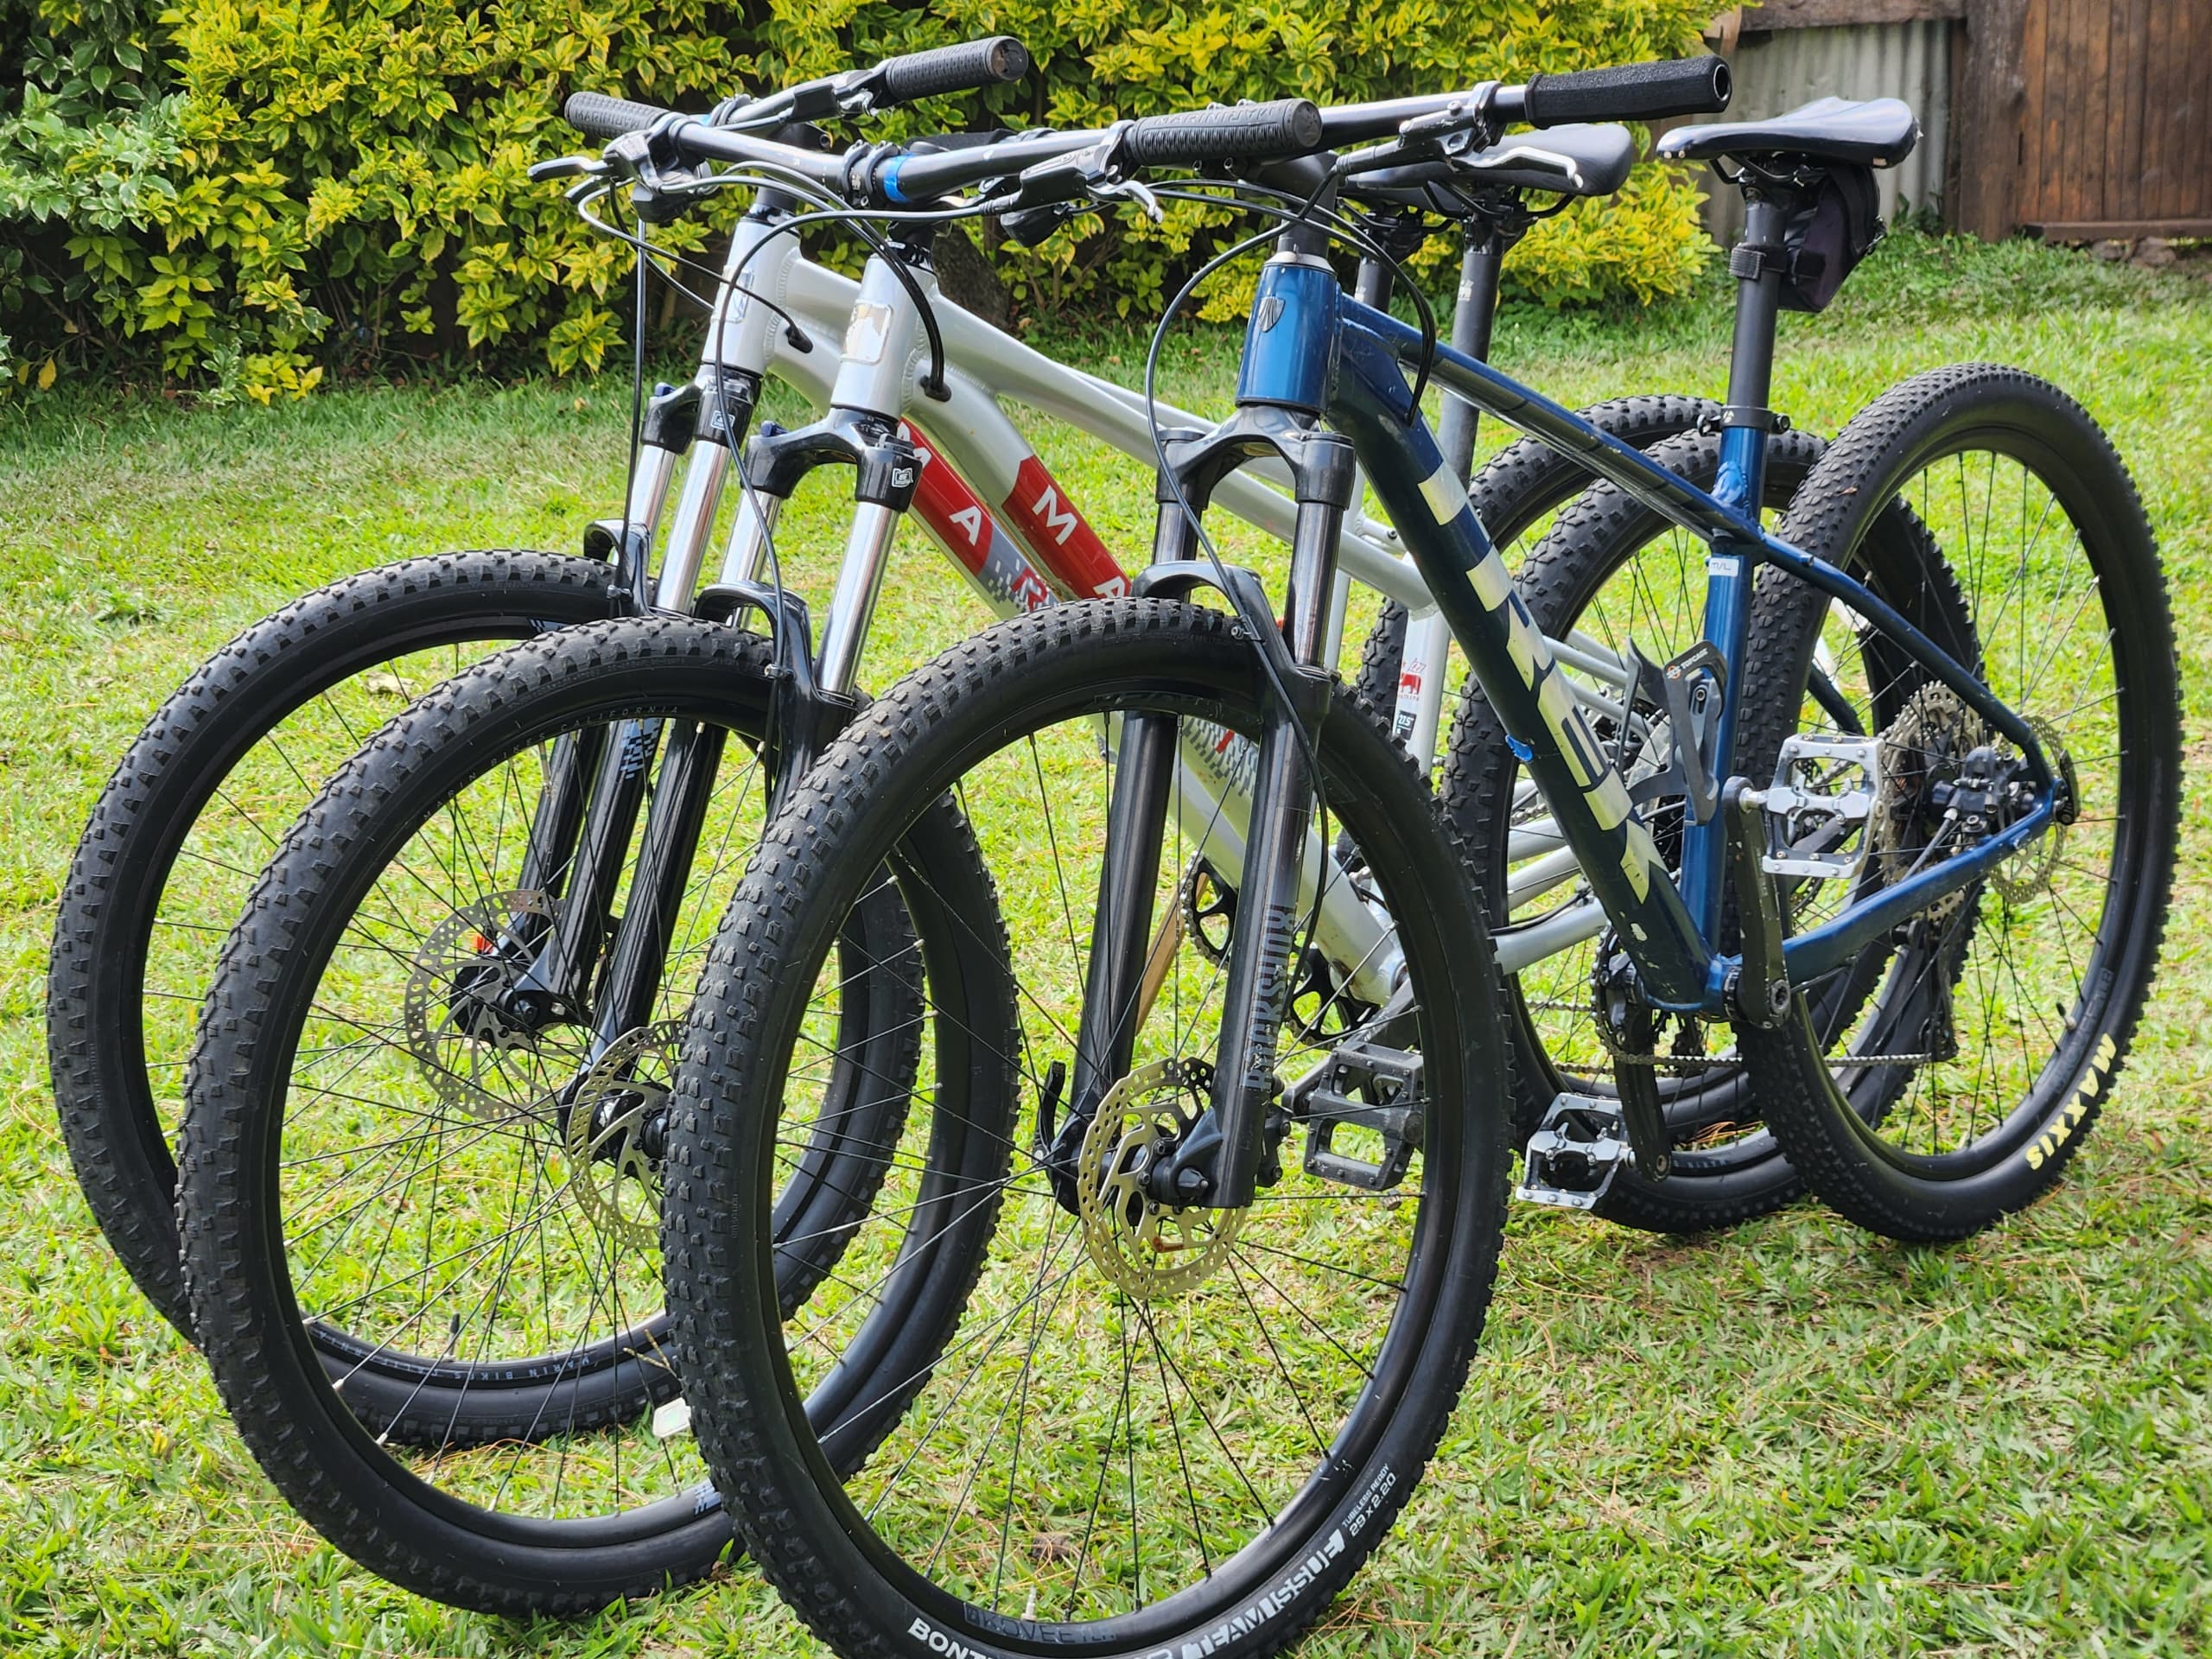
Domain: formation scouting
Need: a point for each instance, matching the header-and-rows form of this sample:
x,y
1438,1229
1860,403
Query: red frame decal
x,y
956,517
1048,519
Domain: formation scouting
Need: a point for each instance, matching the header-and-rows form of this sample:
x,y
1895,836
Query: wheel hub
x,y
457,1011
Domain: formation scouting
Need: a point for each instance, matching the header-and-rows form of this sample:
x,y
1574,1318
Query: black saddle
x,y
1872,132
1569,161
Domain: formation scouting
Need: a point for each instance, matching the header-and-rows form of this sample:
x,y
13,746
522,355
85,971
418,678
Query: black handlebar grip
x,y
960,68
597,117
1243,132
1633,91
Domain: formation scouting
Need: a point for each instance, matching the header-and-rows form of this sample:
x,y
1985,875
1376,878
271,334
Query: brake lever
x,y
1457,119
1461,162
1094,171
1459,125
655,191
567,166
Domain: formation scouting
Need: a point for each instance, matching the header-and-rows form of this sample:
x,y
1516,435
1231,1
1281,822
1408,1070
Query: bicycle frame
x,y
1034,546
1665,930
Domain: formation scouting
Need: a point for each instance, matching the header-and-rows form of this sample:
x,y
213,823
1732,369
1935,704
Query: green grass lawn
x,y
1794,1438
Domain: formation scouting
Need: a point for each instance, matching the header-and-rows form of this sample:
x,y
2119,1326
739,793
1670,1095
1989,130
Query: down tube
x,y
1514,666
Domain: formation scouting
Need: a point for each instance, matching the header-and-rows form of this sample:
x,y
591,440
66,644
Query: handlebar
x,y
964,67
1634,92
1285,128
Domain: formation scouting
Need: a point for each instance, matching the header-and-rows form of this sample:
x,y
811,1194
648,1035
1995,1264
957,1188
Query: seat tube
x,y
1741,484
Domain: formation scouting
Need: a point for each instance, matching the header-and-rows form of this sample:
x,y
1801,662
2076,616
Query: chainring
x,y
1209,907
451,1027
1150,1250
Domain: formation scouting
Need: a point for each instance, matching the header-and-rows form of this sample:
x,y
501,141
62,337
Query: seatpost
x,y
1757,262
1473,313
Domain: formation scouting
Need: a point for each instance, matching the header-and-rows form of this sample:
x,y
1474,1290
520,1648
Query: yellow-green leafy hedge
x,y
248,193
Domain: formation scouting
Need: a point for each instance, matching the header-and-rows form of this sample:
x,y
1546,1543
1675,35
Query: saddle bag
x,y
1829,234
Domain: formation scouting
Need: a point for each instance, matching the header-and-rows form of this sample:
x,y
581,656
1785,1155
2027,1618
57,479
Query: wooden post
x,y
1987,110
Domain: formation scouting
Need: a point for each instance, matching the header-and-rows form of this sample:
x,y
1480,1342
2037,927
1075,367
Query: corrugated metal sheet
x,y
1778,70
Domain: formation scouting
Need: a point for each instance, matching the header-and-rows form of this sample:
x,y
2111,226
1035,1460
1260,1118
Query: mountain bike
x,y
1222,1281
505,1050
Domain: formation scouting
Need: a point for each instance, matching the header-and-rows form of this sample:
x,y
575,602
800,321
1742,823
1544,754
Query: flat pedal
x,y
1817,810
1367,1087
1572,1159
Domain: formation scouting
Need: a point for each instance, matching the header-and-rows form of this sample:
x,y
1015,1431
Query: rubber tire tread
x,y
95,1046
802,845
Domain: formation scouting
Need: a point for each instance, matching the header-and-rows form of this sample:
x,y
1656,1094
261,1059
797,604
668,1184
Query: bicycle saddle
x,y
1876,132
1569,161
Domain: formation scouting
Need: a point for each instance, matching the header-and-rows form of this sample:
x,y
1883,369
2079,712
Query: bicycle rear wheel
x,y
1612,574
1157,1426
2004,1014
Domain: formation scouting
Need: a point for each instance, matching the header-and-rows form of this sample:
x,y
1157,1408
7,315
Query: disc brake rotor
x,y
456,1029
617,1115
1151,1250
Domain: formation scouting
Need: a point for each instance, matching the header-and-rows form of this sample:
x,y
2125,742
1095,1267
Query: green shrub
x,y
248,193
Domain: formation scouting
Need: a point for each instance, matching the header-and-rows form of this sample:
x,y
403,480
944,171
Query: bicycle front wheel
x,y
420,1198
1156,1425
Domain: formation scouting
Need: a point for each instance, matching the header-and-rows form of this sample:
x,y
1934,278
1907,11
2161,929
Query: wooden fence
x,y
2079,119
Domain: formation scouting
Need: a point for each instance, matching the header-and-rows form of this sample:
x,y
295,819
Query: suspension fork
x,y
598,782
1256,994
1137,823
1280,395
813,696
568,806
